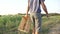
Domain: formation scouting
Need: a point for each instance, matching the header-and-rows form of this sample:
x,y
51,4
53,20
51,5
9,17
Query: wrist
x,y
27,13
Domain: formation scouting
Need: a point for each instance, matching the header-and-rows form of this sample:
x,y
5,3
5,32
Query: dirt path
x,y
55,29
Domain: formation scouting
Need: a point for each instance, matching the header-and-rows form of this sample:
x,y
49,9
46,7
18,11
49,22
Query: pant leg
x,y
36,19
33,22
38,23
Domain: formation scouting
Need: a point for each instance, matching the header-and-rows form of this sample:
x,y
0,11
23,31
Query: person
x,y
35,13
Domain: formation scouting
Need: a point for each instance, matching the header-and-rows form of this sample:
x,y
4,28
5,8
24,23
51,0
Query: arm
x,y
44,8
27,8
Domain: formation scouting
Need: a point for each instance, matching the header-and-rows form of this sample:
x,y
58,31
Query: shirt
x,y
35,5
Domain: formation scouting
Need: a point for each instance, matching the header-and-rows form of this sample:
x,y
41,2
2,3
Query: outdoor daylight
x,y
29,16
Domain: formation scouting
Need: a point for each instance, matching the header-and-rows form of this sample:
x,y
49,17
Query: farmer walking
x,y
35,14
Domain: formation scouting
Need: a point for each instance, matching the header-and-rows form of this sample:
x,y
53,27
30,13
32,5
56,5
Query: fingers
x,y
47,16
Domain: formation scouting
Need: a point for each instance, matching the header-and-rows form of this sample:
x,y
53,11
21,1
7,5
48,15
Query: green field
x,y
9,23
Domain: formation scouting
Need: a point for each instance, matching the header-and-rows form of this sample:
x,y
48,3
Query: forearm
x,y
27,10
45,9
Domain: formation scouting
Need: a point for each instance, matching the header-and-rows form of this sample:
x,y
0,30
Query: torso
x,y
35,6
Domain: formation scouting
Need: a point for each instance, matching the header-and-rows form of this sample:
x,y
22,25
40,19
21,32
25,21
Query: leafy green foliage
x,y
10,23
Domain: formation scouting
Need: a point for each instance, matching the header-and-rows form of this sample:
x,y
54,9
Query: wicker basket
x,y
24,25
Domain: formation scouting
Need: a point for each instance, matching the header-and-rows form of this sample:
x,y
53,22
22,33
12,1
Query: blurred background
x,y
20,6
12,11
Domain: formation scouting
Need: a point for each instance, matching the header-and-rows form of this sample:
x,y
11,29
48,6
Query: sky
x,y
20,6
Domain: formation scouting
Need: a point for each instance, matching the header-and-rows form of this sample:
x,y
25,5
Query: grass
x,y
49,23
10,23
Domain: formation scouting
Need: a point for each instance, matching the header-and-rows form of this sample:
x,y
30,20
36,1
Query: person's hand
x,y
47,16
26,15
